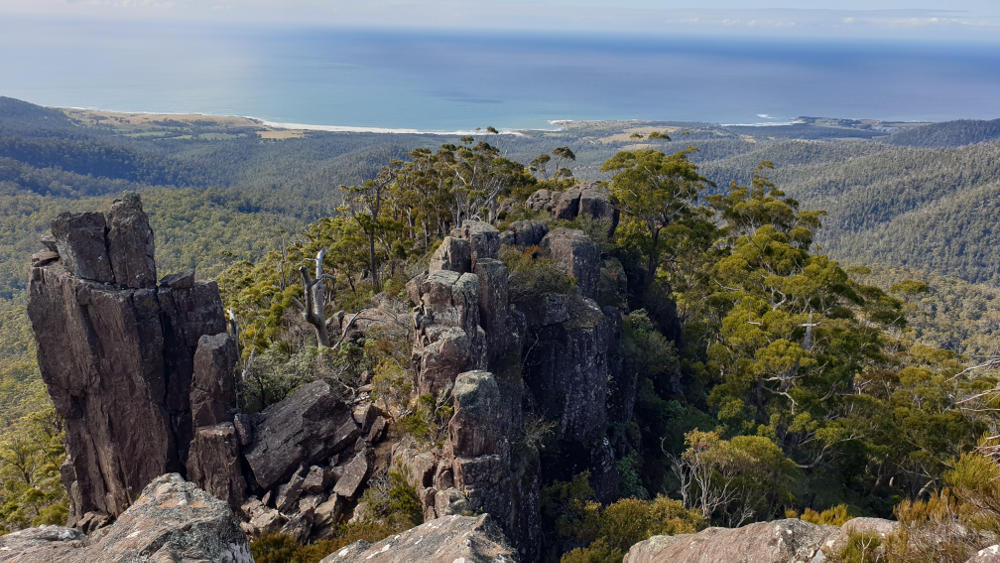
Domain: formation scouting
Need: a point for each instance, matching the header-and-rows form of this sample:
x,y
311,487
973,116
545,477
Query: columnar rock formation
x,y
143,375
495,358
117,354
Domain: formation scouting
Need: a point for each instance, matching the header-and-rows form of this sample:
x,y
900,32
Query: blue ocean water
x,y
447,81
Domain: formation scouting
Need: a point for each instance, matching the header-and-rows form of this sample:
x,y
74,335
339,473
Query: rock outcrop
x,y
592,202
780,541
470,539
172,520
115,349
307,427
548,353
524,233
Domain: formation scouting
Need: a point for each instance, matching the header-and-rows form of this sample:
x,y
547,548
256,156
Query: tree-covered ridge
x,y
950,134
942,311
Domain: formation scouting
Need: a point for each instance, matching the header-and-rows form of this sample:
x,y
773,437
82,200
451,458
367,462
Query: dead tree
x,y
314,293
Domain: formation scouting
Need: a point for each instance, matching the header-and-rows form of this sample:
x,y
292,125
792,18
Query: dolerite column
x,y
102,336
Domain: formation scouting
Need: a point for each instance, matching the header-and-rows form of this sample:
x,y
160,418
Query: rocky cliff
x,y
143,373
502,361
117,352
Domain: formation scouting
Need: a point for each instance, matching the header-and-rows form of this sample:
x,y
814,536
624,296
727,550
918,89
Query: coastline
x,y
558,125
380,130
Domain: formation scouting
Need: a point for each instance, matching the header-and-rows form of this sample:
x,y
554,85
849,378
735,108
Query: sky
x,y
976,20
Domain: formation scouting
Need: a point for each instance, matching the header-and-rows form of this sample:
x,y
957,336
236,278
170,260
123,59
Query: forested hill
x,y
949,134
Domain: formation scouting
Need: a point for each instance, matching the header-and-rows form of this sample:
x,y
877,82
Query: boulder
x,y
577,255
524,234
591,202
45,543
268,520
180,280
317,480
172,520
597,203
354,475
328,511
43,258
543,200
287,495
306,427
469,539
454,254
989,554
478,425
483,238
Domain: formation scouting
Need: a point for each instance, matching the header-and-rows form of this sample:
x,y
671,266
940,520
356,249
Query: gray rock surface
x,y
989,554
213,392
524,233
780,541
447,337
469,539
172,520
130,243
81,242
454,255
483,238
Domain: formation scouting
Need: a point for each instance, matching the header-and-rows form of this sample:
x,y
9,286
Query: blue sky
x,y
875,19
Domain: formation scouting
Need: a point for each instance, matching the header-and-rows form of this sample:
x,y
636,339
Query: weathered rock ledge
x,y
471,539
780,541
172,520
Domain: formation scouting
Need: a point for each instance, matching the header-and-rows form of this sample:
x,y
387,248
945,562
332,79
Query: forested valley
x,y
810,313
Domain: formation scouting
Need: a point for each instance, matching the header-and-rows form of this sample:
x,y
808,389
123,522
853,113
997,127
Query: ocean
x,y
451,81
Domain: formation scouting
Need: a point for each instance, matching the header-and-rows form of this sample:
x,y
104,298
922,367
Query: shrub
x,y
532,275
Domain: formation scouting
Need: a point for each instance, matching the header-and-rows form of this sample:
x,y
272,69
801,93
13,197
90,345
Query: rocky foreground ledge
x,y
172,520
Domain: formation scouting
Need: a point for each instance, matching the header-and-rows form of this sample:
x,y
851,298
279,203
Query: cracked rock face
x,y
115,350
